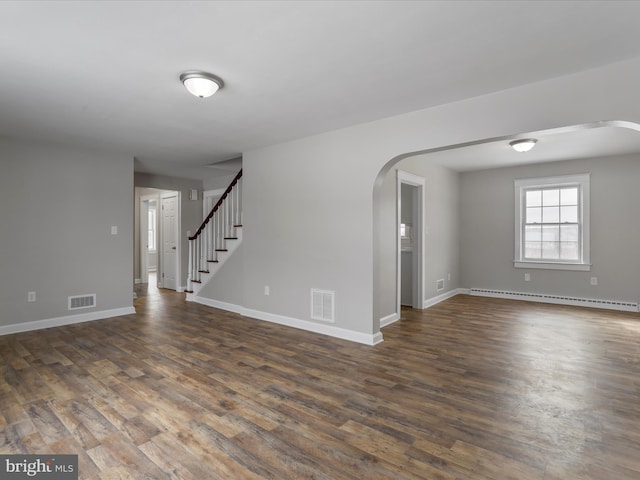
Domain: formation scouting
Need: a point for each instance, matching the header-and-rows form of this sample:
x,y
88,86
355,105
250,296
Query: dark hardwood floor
x,y
471,388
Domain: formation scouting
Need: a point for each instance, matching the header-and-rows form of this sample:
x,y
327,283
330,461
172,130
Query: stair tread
x,y
212,261
196,281
221,250
204,271
188,291
231,238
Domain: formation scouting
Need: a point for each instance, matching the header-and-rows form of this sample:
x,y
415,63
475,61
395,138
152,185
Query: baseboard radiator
x,y
557,299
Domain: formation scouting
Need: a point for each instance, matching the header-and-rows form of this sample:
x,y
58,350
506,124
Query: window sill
x,y
578,267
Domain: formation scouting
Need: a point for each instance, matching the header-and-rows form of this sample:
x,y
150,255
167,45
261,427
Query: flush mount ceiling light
x,y
201,84
523,145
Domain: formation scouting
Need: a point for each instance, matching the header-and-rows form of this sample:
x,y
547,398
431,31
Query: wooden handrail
x,y
217,205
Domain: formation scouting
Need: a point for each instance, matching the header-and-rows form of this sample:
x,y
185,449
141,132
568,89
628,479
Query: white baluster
x,y
240,182
190,272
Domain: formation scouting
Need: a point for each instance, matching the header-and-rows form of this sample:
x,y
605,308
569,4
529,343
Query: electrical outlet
x,y
448,276
266,290
114,230
31,296
594,280
527,277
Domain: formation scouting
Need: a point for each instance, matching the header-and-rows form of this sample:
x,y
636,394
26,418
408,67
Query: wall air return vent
x,y
78,302
322,305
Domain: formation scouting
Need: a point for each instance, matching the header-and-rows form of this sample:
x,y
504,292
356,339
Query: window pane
x,y
569,214
569,233
534,215
152,230
551,214
534,198
569,251
551,197
569,196
550,219
550,233
533,233
532,250
551,250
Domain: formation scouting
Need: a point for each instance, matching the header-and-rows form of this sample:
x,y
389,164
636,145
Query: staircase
x,y
216,239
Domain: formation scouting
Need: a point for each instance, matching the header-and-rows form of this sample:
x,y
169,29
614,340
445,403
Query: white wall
x,y
313,206
58,207
487,240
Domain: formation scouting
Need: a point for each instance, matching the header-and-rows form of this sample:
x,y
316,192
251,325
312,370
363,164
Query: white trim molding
x,y
324,329
430,302
389,319
66,320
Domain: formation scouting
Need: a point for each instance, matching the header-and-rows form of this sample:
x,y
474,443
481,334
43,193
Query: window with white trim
x,y
552,223
151,230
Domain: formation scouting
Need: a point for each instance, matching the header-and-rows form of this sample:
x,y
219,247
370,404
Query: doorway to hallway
x,y
158,248
410,244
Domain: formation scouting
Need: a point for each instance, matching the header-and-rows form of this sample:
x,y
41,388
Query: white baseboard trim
x,y
389,319
66,320
394,317
229,307
330,330
181,289
556,299
137,281
430,302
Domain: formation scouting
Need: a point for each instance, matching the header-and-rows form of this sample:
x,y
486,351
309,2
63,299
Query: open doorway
x,y
148,236
159,246
410,244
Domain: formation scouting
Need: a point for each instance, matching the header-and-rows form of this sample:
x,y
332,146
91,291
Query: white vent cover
x,y
322,305
82,301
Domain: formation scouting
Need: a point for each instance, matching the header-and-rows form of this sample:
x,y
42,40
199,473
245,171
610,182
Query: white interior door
x,y
169,213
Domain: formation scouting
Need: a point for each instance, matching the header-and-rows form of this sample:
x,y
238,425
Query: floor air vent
x,y
82,301
557,299
322,305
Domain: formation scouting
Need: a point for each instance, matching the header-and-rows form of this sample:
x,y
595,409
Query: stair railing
x,y
218,227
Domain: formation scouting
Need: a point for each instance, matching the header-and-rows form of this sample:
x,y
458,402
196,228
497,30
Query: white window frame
x,y
582,181
155,229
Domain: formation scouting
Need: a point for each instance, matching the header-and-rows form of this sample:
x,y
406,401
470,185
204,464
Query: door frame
x,y
143,225
163,195
418,239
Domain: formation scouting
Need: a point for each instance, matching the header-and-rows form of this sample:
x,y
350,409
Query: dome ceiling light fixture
x,y
201,84
523,145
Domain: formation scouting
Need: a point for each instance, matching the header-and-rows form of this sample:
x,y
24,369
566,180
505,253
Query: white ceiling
x,y
592,141
105,74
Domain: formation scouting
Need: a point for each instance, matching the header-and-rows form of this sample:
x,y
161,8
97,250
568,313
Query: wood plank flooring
x,y
471,388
